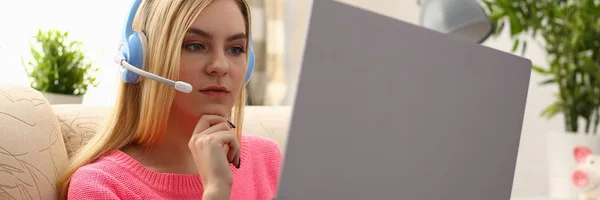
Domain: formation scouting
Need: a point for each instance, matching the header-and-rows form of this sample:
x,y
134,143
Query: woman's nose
x,y
218,66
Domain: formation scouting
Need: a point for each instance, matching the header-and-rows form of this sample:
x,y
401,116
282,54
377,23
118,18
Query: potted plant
x,y
59,69
569,32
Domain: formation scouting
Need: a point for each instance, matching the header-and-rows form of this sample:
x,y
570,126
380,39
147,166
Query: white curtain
x,y
267,86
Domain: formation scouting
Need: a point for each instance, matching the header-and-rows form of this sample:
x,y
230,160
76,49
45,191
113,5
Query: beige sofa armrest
x,y
32,150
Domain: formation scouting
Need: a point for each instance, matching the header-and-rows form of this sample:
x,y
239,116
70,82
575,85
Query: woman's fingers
x,y
223,126
227,141
221,134
232,146
207,121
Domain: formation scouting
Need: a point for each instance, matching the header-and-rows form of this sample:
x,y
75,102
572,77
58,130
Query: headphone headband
x,y
128,29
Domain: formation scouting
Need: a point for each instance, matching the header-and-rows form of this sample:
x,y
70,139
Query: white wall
x,y
530,176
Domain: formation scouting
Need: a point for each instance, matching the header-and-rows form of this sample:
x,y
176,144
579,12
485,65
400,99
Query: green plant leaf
x,y
547,81
540,70
524,48
515,45
552,110
515,24
575,38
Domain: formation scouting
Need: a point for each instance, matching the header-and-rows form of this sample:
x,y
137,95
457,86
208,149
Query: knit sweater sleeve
x,y
91,183
269,159
273,159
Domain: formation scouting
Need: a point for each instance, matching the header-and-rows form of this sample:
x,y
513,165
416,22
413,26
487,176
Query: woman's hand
x,y
213,146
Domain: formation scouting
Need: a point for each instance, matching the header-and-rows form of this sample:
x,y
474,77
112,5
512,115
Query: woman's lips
x,y
214,93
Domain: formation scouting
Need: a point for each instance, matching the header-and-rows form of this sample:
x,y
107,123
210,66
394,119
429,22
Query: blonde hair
x,y
140,112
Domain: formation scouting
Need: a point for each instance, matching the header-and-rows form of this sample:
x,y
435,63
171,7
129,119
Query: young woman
x,y
163,144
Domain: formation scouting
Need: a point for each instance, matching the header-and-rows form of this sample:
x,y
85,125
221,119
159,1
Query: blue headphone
x,y
133,50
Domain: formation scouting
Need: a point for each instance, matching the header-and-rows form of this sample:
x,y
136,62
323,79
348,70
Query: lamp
x,y
463,18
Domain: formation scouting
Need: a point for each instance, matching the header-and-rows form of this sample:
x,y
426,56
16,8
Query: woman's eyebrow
x,y
205,34
199,32
237,37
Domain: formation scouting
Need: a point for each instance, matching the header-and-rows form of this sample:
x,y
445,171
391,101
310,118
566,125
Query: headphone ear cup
x,y
250,63
136,47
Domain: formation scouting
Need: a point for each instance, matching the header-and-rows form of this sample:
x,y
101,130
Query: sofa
x,y
38,139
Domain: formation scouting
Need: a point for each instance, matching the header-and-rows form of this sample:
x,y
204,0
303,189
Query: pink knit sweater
x,y
118,176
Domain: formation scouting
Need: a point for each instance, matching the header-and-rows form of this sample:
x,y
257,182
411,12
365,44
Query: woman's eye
x,y
236,50
195,47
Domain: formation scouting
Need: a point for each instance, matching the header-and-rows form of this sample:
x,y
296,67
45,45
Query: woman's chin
x,y
195,108
213,109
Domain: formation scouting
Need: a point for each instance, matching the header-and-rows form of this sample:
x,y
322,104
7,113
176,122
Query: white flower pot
x,y
55,98
561,162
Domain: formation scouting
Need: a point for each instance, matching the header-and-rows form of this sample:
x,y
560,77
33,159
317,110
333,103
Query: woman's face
x,y
213,60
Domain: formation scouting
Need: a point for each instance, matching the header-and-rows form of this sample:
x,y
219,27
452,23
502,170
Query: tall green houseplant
x,y
569,31
59,65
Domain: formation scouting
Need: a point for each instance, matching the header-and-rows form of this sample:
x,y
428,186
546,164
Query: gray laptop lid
x,y
389,110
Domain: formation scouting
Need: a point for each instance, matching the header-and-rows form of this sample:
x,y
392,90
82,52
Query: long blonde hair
x,y
140,113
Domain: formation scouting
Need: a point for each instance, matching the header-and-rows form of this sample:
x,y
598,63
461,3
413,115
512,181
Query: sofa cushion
x,y
78,123
271,122
32,152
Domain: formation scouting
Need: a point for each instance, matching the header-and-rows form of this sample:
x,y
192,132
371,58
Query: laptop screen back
x,y
389,110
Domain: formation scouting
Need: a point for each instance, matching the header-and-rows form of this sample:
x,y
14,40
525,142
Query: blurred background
x,y
556,35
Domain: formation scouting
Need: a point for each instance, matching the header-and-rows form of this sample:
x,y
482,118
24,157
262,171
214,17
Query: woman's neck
x,y
171,154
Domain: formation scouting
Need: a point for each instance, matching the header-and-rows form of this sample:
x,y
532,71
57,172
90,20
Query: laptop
x,y
390,110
